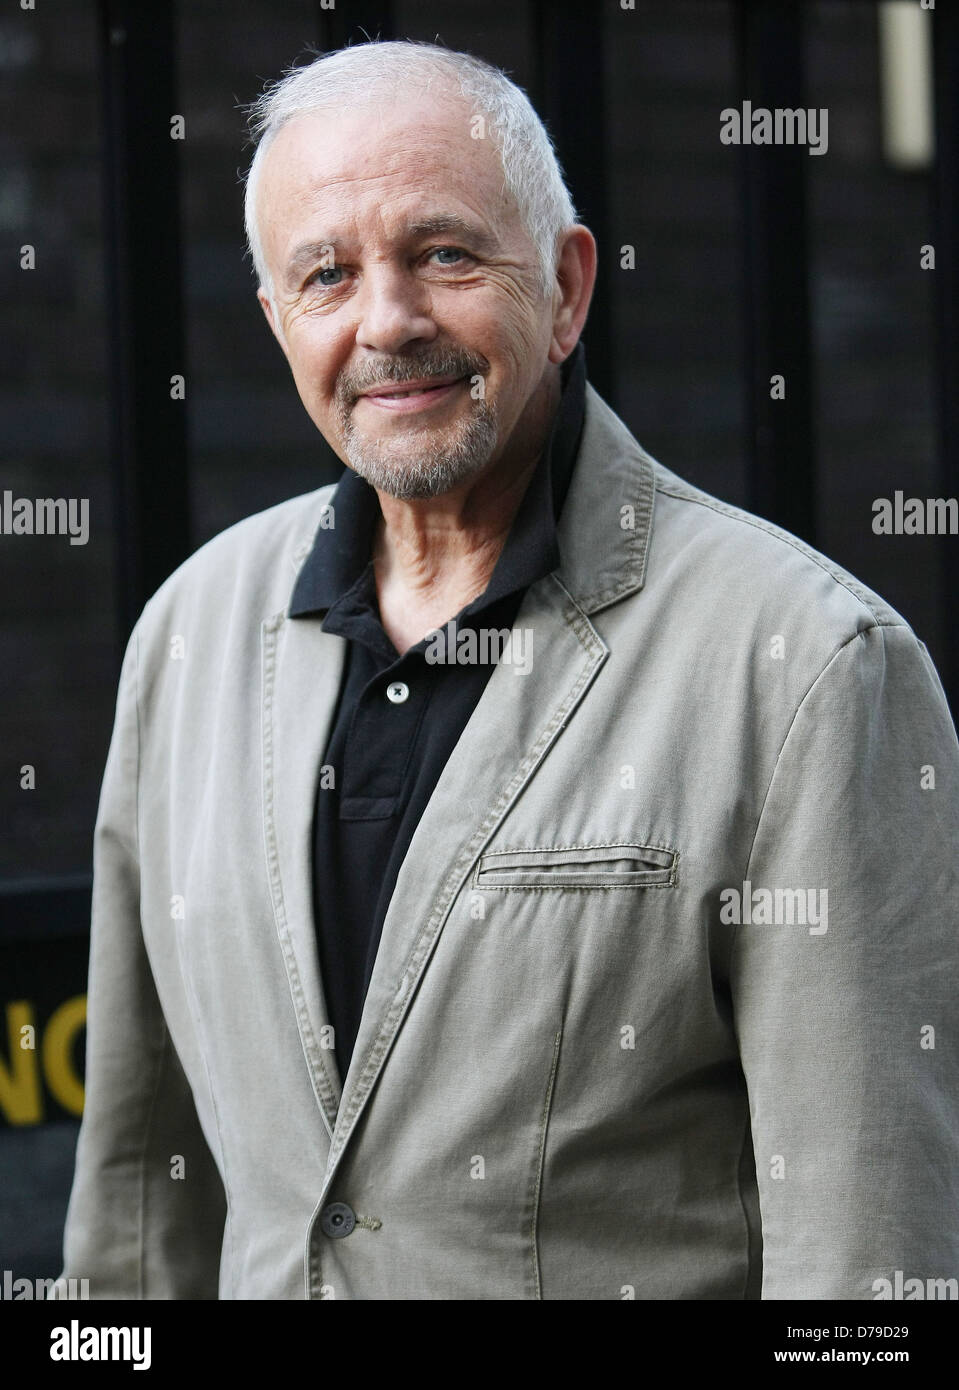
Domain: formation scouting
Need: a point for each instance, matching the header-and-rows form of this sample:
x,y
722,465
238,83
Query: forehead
x,y
332,174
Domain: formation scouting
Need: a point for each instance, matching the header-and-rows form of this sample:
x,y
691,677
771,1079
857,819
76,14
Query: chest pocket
x,y
578,867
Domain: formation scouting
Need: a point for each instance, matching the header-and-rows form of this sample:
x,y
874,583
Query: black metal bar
x,y
143,274
946,294
780,457
344,25
568,90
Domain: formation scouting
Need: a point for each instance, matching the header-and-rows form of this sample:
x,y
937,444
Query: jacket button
x,y
398,692
337,1219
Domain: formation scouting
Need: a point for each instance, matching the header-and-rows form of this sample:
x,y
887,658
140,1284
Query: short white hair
x,y
347,77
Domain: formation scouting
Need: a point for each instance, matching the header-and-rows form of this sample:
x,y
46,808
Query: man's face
x,y
406,293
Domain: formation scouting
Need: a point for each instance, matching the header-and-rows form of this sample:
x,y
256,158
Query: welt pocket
x,y
578,867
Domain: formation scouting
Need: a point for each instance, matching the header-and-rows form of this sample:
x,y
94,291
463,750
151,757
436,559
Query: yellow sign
x,y
21,1090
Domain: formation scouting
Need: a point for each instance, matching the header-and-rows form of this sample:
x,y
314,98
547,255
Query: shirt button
x,y
337,1219
397,692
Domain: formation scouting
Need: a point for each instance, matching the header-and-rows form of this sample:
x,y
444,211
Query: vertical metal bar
x,y
946,287
780,459
568,89
143,276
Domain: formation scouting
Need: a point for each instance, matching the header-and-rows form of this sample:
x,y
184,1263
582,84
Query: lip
x,y
428,391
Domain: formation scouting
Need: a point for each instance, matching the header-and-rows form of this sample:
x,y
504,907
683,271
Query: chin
x,y
415,482
432,471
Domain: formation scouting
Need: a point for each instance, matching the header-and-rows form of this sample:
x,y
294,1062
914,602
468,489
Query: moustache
x,y
449,363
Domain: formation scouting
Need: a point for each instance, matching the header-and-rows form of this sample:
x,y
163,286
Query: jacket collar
x,y
606,526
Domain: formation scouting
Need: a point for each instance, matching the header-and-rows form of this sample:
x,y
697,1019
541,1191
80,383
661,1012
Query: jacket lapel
x,y
301,670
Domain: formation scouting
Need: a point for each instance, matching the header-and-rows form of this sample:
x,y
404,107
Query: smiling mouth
x,y
402,395
415,388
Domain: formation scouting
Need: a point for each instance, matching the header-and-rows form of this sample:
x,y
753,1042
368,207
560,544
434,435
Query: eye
x,y
456,253
319,276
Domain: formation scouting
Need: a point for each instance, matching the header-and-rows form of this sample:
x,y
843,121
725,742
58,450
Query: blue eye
x,y
330,270
453,251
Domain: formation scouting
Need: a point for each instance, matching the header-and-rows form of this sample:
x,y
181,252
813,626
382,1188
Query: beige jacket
x,y
577,1076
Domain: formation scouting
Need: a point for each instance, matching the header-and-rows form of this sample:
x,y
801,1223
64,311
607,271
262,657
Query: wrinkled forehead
x,y
343,170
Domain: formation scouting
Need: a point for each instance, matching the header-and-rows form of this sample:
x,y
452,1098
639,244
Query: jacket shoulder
x,y
777,564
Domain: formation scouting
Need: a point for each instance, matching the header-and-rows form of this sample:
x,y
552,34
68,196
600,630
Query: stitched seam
x,y
638,539
664,876
579,624
725,509
308,1042
540,1160
737,928
601,844
302,551
792,724
204,1055
312,1271
570,887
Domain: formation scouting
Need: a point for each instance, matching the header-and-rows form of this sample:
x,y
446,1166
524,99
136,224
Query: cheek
x,y
521,345
507,339
312,362
495,317
520,328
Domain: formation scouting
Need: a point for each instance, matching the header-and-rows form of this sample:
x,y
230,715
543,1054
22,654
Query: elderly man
x,y
518,874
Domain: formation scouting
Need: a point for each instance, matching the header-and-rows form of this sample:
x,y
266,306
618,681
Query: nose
x,y
394,309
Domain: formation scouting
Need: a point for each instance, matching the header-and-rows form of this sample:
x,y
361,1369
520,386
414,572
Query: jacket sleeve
x,y
848,1025
133,1228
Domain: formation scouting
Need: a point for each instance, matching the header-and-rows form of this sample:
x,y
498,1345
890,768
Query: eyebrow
x,y
440,224
450,222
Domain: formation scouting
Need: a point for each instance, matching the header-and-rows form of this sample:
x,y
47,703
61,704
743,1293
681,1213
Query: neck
x,y
434,555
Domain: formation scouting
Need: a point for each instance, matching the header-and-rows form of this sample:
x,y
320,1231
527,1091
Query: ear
x,y
575,279
267,308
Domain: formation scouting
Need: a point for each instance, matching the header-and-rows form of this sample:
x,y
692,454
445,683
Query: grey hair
x,y
531,170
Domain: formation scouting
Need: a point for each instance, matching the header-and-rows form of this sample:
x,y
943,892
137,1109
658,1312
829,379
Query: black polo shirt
x,y
398,717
